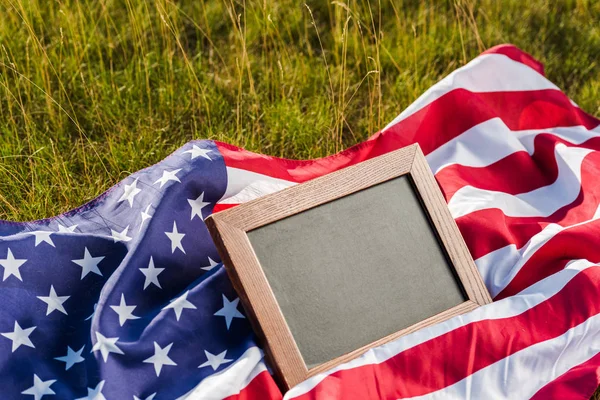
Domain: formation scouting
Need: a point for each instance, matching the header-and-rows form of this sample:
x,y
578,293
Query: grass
x,y
91,91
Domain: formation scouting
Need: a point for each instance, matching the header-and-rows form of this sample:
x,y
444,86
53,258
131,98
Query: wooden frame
x,y
229,230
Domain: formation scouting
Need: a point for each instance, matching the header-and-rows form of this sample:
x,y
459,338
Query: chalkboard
x,y
354,270
332,267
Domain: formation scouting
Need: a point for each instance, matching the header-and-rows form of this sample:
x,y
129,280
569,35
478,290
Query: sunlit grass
x,y
91,91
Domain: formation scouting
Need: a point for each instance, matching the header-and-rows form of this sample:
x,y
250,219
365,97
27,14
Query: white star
x,y
88,263
120,236
215,361
145,215
129,193
106,346
151,274
229,311
20,337
40,388
196,151
168,176
175,238
124,311
151,397
211,264
197,206
43,236
95,394
11,266
70,229
73,357
54,301
160,358
179,304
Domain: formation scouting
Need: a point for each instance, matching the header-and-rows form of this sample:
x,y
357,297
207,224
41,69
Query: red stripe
x,y
579,242
261,387
459,110
489,229
294,170
220,207
449,358
432,126
518,55
579,382
534,171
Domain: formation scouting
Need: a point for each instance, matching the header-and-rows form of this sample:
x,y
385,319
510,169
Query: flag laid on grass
x,y
126,298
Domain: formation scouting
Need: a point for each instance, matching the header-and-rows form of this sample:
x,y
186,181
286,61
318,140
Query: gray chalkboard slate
x,y
372,255
332,267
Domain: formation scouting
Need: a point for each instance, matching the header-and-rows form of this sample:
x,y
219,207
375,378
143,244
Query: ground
x,y
91,91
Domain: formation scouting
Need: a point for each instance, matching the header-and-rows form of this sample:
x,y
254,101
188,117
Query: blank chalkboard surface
x,y
372,254
335,266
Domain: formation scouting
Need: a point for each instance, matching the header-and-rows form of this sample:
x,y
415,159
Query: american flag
x,y
126,297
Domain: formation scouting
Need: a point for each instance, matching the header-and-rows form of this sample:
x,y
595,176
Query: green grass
x,y
91,91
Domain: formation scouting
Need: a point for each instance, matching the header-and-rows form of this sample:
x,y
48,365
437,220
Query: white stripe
x,y
514,378
506,308
499,267
479,146
231,380
486,73
243,186
491,141
540,202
